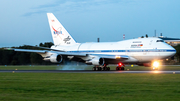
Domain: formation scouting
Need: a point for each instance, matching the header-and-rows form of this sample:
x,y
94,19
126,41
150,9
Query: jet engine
x,y
96,61
56,58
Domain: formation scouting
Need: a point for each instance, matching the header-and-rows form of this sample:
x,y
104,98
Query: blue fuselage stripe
x,y
150,50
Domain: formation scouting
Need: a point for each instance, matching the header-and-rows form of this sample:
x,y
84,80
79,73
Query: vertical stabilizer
x,y
59,34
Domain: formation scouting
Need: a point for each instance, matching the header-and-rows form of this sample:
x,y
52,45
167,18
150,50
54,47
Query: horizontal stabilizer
x,y
28,50
45,48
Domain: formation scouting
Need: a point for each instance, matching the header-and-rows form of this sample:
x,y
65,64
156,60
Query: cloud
x,y
69,6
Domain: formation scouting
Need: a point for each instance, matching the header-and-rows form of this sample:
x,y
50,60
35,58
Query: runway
x,y
86,71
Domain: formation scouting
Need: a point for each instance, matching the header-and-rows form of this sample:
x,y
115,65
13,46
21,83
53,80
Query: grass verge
x,y
88,87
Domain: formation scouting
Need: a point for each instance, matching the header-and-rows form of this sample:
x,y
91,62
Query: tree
x,y
9,57
177,52
41,44
146,36
46,44
35,59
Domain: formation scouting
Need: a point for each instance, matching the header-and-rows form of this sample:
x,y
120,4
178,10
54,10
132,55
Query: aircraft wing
x,y
47,51
73,54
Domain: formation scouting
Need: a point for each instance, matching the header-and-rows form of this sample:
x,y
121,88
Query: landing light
x,y
118,57
156,64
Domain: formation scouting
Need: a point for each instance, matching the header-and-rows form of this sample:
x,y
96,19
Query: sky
x,y
24,22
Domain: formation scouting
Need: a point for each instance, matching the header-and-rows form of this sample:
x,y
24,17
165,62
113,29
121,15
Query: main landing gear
x,y
101,68
120,67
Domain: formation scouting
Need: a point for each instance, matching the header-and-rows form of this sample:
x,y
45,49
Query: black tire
x,y
117,68
94,68
99,68
105,68
108,68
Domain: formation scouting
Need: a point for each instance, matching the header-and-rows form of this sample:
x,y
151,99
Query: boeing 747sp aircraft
x,y
100,54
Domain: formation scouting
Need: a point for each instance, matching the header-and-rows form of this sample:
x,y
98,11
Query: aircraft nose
x,y
174,51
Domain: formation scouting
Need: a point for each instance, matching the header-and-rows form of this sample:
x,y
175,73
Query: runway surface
x,y
86,71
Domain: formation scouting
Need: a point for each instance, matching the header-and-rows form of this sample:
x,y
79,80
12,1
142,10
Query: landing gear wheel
x,y
105,68
108,68
99,68
118,68
94,68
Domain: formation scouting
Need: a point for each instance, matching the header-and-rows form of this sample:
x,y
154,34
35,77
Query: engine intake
x,y
56,58
96,61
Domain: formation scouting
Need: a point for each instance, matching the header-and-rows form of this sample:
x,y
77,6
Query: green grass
x,y
88,87
82,67
28,67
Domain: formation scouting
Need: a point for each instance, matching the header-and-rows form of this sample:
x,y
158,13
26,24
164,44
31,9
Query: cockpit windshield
x,y
160,41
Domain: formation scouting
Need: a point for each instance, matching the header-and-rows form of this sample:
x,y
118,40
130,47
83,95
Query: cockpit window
x,y
160,41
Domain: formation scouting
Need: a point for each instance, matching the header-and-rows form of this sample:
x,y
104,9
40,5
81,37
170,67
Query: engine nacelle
x,y
96,61
56,58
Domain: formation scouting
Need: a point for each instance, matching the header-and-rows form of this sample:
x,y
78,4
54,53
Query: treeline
x,y
177,55
10,57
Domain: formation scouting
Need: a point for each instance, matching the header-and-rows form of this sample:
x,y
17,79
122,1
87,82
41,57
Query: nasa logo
x,y
56,31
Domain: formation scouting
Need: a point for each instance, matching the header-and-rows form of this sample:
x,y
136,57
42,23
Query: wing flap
x,y
70,53
112,56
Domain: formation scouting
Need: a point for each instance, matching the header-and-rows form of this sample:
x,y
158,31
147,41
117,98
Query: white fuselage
x,y
139,50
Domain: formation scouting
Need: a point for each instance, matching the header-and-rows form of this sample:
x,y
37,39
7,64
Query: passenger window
x,y
160,41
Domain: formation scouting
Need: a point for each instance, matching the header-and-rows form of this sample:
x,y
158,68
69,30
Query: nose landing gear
x,y
155,65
